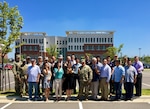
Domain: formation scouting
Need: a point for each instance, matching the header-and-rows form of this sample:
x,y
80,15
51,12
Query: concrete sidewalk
x,y
6,99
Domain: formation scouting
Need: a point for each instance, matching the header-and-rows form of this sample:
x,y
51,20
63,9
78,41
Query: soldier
x,y
85,75
16,72
23,76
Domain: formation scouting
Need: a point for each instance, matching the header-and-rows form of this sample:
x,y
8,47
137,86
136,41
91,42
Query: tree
x,y
112,51
52,50
10,25
119,49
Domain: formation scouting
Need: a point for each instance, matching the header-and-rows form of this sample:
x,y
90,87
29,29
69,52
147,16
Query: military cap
x,y
32,60
28,57
46,58
17,56
82,60
40,57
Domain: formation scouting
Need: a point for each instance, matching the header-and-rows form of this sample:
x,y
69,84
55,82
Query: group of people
x,y
51,74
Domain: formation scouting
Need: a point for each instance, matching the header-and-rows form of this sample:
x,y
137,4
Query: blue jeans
x,y
118,89
31,85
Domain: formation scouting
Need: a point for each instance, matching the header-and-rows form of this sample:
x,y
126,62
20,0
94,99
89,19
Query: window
x,y
97,39
82,40
26,40
30,48
57,42
68,39
35,48
105,39
24,48
111,40
75,47
34,40
80,47
74,39
69,47
60,43
108,39
63,42
23,40
86,40
91,40
42,41
46,42
29,40
71,39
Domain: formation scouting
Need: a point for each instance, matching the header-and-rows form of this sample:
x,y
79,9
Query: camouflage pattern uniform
x,y
85,75
23,76
16,72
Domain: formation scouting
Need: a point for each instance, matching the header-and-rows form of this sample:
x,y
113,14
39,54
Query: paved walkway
x,y
5,99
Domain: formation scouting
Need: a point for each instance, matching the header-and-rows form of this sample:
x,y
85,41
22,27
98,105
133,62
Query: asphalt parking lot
x,y
75,105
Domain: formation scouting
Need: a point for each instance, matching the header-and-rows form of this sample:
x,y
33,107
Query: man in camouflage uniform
x,y
85,77
16,72
23,76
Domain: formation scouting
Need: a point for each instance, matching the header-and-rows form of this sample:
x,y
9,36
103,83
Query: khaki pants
x,y
104,88
83,85
58,87
94,88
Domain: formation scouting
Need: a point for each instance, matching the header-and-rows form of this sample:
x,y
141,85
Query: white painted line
x,y
6,105
146,84
80,105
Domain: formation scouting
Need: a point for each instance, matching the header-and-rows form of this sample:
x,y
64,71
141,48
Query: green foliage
x,y
10,25
112,51
146,59
52,50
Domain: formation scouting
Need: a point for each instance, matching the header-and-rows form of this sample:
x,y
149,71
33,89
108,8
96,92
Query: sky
x,y
130,19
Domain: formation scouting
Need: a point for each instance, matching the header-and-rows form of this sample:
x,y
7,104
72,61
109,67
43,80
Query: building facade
x,y
75,42
91,42
34,44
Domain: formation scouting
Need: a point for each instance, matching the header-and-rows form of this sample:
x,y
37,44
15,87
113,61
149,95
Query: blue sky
x,y
129,18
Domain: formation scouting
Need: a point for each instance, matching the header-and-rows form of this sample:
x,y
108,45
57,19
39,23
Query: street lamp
x,y
139,52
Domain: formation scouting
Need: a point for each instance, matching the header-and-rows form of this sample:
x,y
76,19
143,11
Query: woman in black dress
x,y
69,81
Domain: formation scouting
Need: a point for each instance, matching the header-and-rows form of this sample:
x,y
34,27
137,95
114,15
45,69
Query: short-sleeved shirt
x,y
130,72
119,71
33,72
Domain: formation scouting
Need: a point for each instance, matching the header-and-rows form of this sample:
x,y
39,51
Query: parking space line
x,y
146,84
6,105
80,105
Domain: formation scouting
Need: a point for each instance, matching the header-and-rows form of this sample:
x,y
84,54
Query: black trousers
x,y
129,90
138,85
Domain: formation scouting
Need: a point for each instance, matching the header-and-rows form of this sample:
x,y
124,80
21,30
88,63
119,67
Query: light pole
x,y
139,52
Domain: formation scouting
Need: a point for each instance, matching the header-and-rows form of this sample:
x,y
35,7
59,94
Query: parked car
x,y
146,65
8,66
